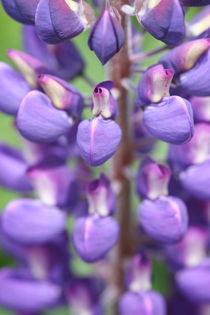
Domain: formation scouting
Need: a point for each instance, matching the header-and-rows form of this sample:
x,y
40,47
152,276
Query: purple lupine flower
x,y
200,25
101,197
55,184
164,19
195,81
147,303
201,108
164,219
64,59
98,139
195,3
154,85
23,293
83,296
152,179
191,250
13,89
197,150
39,121
58,20
185,56
138,274
196,180
13,169
29,66
104,103
93,236
63,95
107,26
194,282
29,221
21,10
171,120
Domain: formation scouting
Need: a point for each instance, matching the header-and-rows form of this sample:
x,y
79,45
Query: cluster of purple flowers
x,y
65,210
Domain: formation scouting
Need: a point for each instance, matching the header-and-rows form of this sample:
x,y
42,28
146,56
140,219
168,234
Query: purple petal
x,y
13,169
185,56
200,25
197,150
194,283
164,20
152,179
20,10
29,66
195,82
101,197
38,121
13,89
29,221
63,95
171,120
94,236
55,185
107,26
154,85
98,139
164,219
196,180
103,102
25,294
201,108
142,303
56,21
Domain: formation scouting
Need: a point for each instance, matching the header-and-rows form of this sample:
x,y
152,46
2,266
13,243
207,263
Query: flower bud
x,y
98,139
23,293
39,121
107,26
196,180
103,102
21,10
145,303
94,236
58,20
191,250
62,94
154,85
185,56
28,221
194,283
195,82
29,66
195,3
201,108
200,25
164,19
164,219
152,179
171,120
13,89
197,150
100,197
63,60
13,169
55,185
139,274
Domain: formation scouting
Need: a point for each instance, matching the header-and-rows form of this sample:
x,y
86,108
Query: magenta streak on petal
x,y
177,213
88,226
148,304
92,134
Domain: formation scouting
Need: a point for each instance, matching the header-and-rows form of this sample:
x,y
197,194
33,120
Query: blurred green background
x,y
10,37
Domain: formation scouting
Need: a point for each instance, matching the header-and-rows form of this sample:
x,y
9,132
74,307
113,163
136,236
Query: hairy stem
x,y
119,69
